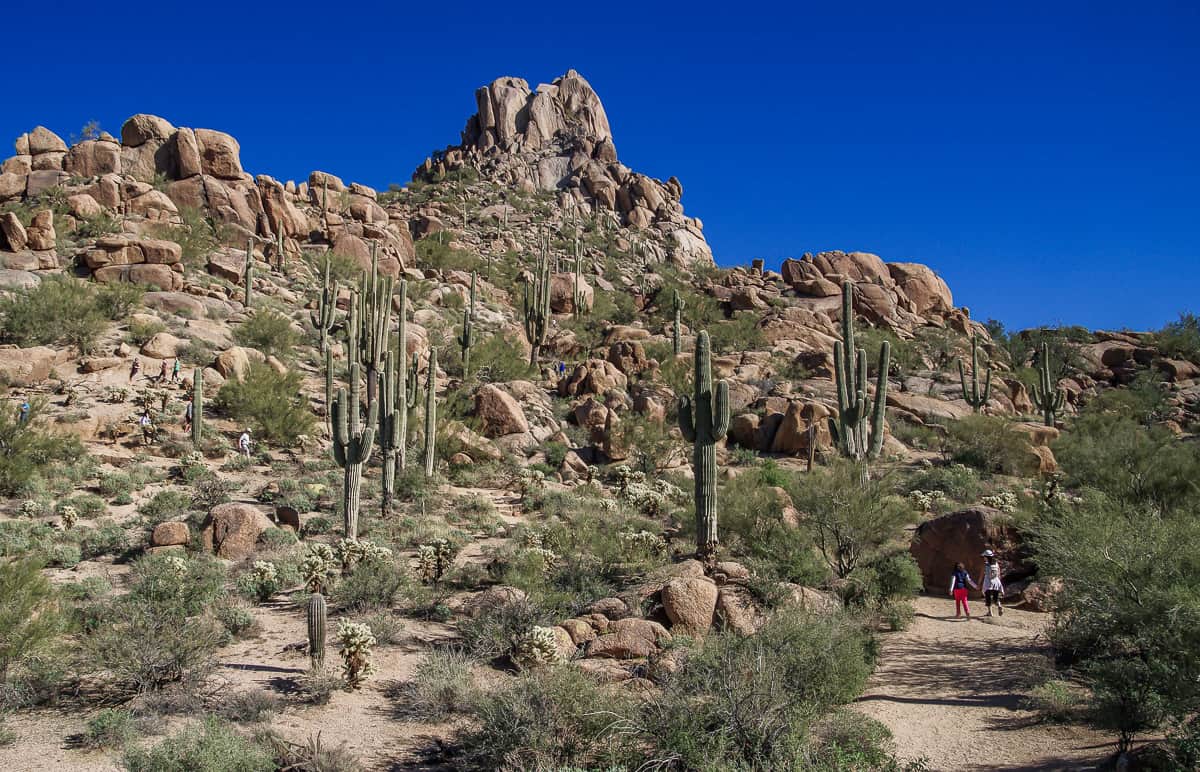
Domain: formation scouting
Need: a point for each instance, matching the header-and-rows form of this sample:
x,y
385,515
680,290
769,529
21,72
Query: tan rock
x,y
163,345
219,154
962,536
580,631
11,185
169,534
15,237
41,234
42,140
689,603
493,598
629,639
609,608
28,366
232,531
498,412
141,128
735,610
84,206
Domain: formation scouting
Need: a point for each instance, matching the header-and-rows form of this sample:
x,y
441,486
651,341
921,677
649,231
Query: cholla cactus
x,y
547,558
435,559
356,640
31,508
650,497
70,516
927,501
643,542
531,482
262,581
1005,501
535,648
319,567
175,565
351,552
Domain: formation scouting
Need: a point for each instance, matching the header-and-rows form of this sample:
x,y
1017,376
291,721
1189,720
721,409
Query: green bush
x,y
498,359
194,234
212,747
269,332
110,728
29,617
165,505
270,402
492,635
108,539
1057,701
434,251
59,310
990,444
117,301
27,447
141,331
1180,339
441,687
373,584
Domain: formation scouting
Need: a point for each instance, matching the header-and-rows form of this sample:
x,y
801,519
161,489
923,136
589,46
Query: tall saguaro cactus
x,y
973,396
326,312
375,314
329,389
397,397
248,271
197,406
431,414
1048,398
704,420
859,423
677,306
577,287
467,338
352,445
316,618
537,308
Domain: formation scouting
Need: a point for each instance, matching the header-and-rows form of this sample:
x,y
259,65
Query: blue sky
x,y
1042,157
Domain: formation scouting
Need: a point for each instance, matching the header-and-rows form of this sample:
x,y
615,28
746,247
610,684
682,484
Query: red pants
x,y
960,602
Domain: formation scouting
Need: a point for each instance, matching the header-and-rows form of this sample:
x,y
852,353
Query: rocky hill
x,y
534,322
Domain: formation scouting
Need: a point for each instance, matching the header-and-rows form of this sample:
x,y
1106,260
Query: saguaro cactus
x,y
352,445
396,401
468,331
326,312
577,287
248,271
1048,398
973,396
329,389
197,406
375,315
537,308
317,618
431,414
859,424
677,306
704,420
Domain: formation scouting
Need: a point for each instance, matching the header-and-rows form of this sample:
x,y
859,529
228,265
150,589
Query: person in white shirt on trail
x,y
993,588
244,443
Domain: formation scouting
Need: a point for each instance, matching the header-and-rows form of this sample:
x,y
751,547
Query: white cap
x,y
989,554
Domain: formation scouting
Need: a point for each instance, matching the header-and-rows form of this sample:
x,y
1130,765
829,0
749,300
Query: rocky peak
x,y
511,115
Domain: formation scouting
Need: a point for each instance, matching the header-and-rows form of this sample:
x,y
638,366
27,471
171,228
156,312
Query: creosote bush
x,y
270,402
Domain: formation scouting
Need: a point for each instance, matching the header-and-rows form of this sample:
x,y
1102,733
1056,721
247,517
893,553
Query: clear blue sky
x,y
1042,157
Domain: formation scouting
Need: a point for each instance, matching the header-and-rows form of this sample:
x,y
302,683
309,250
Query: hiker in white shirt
x,y
244,443
993,587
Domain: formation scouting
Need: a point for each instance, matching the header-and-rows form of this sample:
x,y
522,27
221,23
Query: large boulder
x,y
689,603
232,531
13,232
219,154
961,537
170,534
629,639
498,412
27,366
928,293
562,293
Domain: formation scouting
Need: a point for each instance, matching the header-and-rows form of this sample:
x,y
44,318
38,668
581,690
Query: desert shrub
x,y
117,301
196,353
29,617
749,703
110,728
238,621
139,331
373,584
318,686
741,333
849,521
550,718
58,310
269,401
493,635
194,234
1025,347
88,506
1128,614
885,586
441,686
1128,462
107,539
249,706
311,755
1057,701
990,444
1180,339
213,747
498,359
434,251
270,332
958,481
27,448
848,740
165,505
260,582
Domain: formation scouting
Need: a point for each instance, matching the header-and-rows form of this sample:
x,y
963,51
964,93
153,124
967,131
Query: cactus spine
x,y
468,331
537,307
973,396
431,413
326,308
248,272
677,305
859,424
197,406
1046,395
704,420
316,630
352,440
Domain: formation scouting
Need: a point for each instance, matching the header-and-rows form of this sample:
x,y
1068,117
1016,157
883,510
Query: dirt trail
x,y
952,691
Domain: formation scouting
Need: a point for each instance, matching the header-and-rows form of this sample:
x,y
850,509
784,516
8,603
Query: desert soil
x,y
953,691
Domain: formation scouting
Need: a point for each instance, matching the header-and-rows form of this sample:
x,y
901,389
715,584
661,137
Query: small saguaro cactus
x,y
537,308
859,424
677,305
467,338
248,272
316,618
326,312
1048,398
431,414
352,445
393,424
704,420
197,406
973,396
577,287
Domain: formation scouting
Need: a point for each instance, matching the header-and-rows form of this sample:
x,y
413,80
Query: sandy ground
x,y
952,691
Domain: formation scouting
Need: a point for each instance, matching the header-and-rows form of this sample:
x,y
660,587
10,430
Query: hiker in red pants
x,y
959,581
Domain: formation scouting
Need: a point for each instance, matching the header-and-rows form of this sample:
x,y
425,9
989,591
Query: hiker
x,y
958,589
175,371
244,443
134,368
188,412
993,588
162,374
24,416
147,428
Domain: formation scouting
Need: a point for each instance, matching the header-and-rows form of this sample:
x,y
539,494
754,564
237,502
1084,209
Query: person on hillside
x,y
188,413
162,373
147,426
24,416
244,443
175,371
134,368
959,581
993,587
